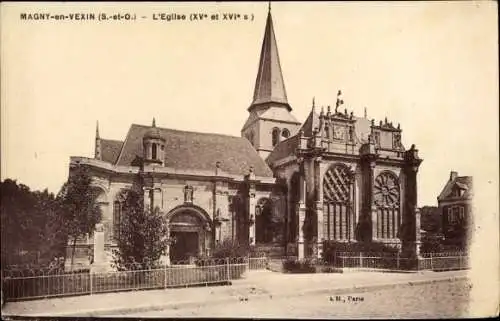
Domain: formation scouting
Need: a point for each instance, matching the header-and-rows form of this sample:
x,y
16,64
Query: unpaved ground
x,y
435,300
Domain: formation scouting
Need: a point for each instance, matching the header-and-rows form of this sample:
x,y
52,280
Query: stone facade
x,y
335,177
456,208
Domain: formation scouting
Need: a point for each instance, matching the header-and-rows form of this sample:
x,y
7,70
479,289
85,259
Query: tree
x,y
78,206
143,234
30,224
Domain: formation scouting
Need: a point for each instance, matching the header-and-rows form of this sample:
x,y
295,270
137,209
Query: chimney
x,y
453,175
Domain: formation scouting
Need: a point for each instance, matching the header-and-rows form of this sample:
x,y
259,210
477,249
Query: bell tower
x,y
270,119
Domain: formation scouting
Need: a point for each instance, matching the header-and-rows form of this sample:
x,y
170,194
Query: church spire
x,y
269,85
97,147
97,130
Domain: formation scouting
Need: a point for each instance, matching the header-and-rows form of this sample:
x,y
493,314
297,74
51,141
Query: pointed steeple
x,y
97,147
269,85
97,130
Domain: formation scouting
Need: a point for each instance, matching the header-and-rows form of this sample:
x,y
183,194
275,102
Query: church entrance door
x,y
186,246
191,234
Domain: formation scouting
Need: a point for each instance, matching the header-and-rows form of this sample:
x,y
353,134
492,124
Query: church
x,y
281,184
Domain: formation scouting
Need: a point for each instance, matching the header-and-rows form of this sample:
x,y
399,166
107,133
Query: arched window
x,y
153,151
263,221
276,136
285,133
338,205
386,194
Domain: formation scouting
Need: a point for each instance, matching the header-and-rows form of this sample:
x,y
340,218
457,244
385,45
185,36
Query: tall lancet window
x,y
276,136
338,206
386,193
154,151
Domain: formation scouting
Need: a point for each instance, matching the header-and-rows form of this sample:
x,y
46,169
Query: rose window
x,y
386,190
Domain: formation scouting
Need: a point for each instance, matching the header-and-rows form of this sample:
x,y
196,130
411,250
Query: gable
x,y
110,150
460,187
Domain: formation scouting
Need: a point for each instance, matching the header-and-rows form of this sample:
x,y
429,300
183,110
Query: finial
x,y
97,130
373,122
154,123
365,113
328,109
345,111
314,104
322,110
269,7
386,120
399,127
380,124
352,114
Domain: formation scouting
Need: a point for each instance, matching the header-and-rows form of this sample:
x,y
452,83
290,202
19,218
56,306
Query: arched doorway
x,y
190,229
386,195
263,221
294,194
338,195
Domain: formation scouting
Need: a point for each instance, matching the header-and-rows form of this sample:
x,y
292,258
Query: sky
x,y
430,66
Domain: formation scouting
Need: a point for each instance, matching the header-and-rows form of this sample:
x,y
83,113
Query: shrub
x,y
431,243
299,266
230,248
331,248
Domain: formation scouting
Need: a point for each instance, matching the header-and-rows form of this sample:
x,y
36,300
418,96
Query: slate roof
x,y
110,149
197,151
269,85
284,149
463,182
311,122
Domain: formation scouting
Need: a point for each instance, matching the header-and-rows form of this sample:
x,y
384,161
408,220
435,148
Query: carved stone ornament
x,y
188,194
386,190
99,227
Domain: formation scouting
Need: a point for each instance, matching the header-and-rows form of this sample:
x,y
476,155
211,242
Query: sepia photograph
x,y
333,160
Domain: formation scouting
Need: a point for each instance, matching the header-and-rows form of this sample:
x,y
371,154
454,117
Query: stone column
x,y
411,212
157,198
356,204
417,232
101,263
319,205
369,194
251,206
301,212
221,209
148,197
165,259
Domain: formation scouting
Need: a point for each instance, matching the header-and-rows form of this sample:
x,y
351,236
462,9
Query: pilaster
x,y
251,206
371,204
411,237
319,205
301,211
